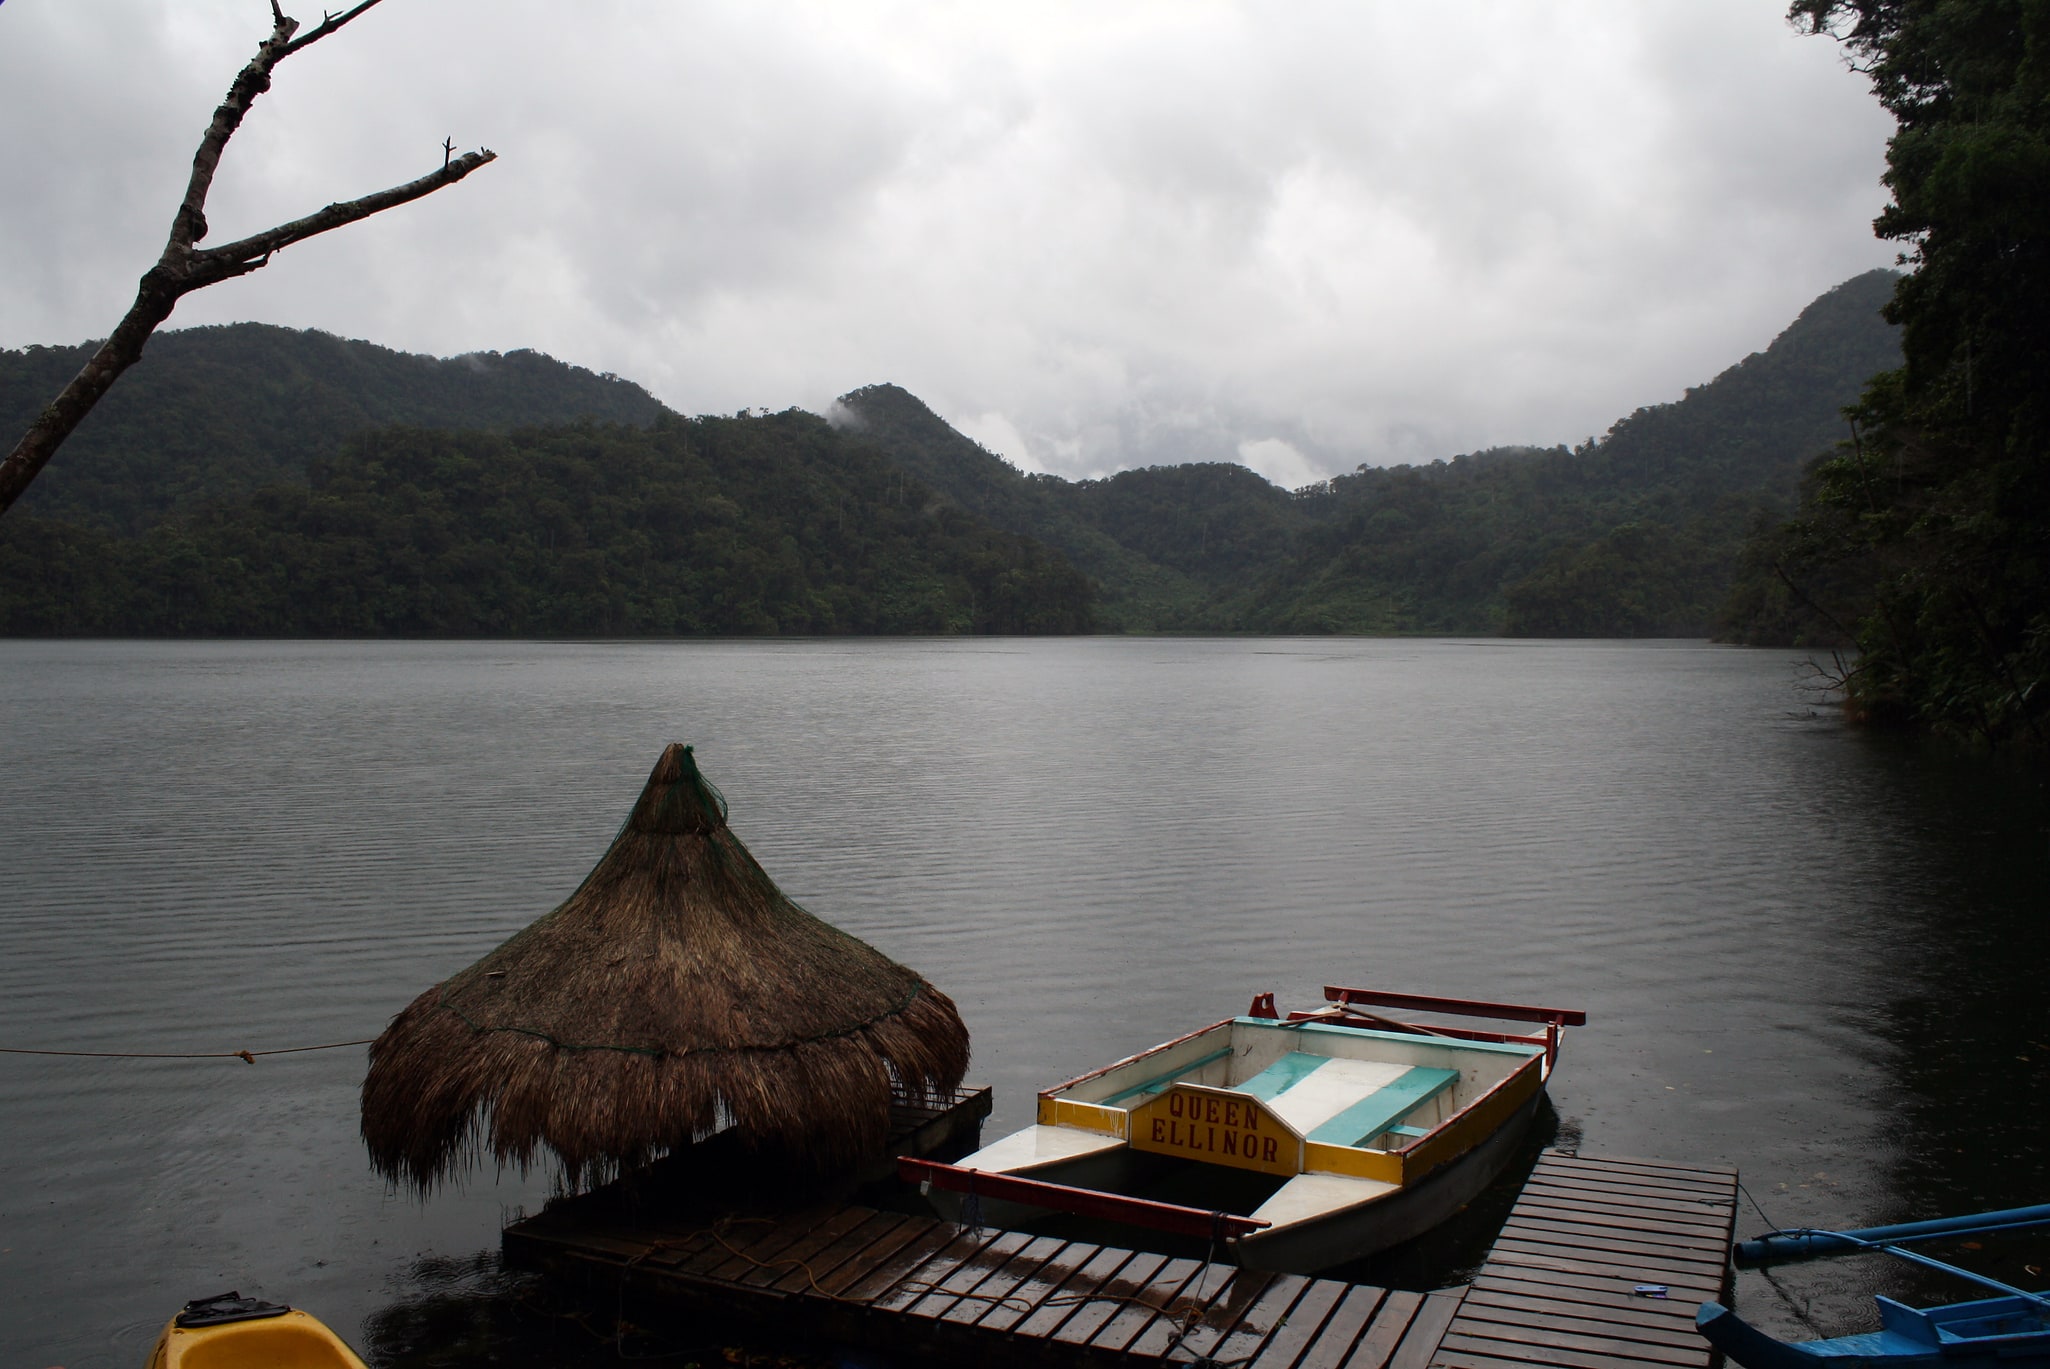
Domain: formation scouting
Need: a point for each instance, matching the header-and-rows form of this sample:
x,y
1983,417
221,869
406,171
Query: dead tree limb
x,y
186,267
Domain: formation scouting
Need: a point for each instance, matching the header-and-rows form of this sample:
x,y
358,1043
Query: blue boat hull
x,y
2012,1333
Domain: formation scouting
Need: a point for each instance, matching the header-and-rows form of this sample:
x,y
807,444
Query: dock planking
x,y
1559,1286
1556,1289
916,1286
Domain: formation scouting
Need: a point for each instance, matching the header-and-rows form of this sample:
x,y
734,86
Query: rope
x,y
246,1057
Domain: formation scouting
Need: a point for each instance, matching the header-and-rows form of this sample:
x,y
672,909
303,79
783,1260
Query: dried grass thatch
x,y
677,992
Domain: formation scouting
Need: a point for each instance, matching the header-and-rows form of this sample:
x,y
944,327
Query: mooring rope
x,y
246,1057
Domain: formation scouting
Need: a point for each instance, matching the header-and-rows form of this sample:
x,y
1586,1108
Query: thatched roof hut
x,y
676,993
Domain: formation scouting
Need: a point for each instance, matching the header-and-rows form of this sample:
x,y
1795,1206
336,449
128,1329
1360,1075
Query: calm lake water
x,y
1804,953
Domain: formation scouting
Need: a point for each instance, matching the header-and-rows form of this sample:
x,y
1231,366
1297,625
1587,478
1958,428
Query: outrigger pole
x,y
1805,1243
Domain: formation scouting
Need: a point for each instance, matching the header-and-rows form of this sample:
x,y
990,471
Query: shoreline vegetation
x,y
259,482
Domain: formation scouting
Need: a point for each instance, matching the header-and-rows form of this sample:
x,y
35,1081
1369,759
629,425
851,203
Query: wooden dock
x,y
1561,1285
1556,1291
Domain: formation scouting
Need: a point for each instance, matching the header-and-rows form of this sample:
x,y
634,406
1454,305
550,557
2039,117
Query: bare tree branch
x,y
185,267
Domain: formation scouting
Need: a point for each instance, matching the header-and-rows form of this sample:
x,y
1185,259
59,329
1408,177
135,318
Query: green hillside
x,y
250,480
1635,534
773,525
217,413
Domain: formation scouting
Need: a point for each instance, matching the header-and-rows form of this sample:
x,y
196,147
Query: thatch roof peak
x,y
676,992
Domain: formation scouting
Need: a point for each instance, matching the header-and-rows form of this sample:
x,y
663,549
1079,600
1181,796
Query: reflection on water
x,y
1803,953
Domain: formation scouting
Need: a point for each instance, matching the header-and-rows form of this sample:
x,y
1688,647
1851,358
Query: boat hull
x,y
293,1340
1369,1228
2025,1343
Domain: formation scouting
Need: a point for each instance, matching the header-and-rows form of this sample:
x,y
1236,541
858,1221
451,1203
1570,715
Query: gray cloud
x,y
1302,234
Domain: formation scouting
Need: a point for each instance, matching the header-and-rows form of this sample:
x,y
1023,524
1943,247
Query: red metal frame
x,y
1348,1001
1083,1202
1462,1007
1119,1064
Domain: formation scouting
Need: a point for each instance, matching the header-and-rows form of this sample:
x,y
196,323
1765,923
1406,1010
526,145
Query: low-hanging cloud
x,y
1302,235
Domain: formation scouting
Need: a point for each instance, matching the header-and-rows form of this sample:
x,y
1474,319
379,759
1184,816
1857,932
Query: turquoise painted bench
x,y
1385,1106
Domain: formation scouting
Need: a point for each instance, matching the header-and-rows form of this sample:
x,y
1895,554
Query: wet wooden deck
x,y
931,1289
1560,1287
1556,1290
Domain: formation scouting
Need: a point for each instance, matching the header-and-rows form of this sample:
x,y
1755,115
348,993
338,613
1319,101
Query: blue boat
x,y
2008,1332
2011,1333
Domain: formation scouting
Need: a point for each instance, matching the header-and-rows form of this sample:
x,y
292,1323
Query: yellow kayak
x,y
234,1332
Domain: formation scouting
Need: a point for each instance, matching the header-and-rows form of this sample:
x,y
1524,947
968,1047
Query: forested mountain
x,y
247,480
1163,542
694,526
216,413
1635,534
1927,541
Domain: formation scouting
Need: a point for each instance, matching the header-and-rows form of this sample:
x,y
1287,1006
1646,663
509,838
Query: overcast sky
x,y
1299,234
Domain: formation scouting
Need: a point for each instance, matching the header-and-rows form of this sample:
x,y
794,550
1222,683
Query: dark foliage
x,y
1636,533
1938,515
218,413
705,526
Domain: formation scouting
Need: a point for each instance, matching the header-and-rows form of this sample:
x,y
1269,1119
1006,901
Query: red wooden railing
x,y
1083,1202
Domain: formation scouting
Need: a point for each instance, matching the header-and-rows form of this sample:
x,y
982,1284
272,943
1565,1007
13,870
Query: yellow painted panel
x,y
1319,1158
1475,1125
1065,1112
1216,1126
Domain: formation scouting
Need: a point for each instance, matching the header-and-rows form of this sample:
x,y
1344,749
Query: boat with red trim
x,y
1303,1141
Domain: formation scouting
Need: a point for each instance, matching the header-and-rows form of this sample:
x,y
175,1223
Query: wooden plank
x,y
1419,1344
1003,1285
1160,1295
1262,1317
1343,1327
622,1250
1622,1280
1621,1267
1081,1283
1221,1311
1626,1254
1559,1356
729,1236
1111,1298
1582,1288
914,1283
1304,1322
1463,1358
797,1256
809,1279
1042,1284
963,1278
1575,1194
1645,1244
1201,1293
890,1245
884,1274
1631,1323
1706,1225
1372,1351
1650,1213
1559,1159
1666,1345
1626,1185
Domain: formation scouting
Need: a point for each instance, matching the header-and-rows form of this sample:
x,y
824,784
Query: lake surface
x,y
1811,955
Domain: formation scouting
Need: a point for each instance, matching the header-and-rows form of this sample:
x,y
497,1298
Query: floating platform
x,y
1561,1285
1558,1289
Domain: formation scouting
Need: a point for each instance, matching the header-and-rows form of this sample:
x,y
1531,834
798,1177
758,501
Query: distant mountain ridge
x,y
220,412
1634,534
258,470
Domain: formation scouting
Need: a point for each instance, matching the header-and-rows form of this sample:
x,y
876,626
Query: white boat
x,y
1309,1140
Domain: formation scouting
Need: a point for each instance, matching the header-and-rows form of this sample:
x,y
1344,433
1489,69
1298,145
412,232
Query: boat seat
x,y
1281,1076
1384,1107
